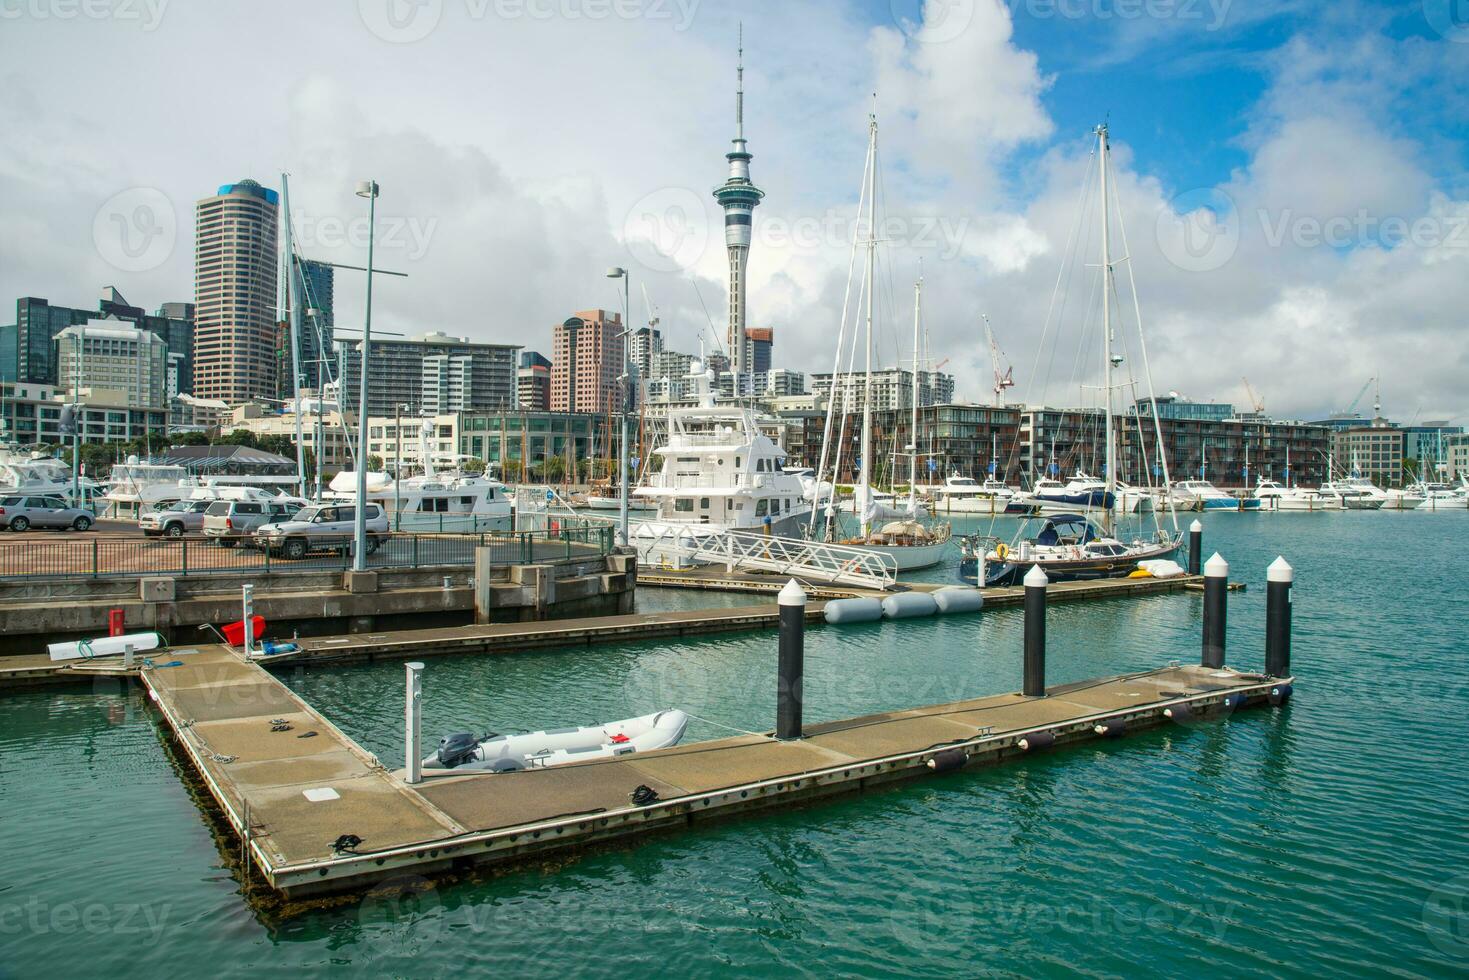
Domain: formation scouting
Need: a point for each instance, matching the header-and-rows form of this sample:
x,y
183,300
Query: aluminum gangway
x,y
754,551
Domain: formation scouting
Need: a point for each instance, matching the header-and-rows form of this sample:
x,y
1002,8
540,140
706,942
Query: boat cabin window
x,y
737,462
683,504
760,507
704,503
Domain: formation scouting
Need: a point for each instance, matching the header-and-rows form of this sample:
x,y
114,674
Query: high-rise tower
x,y
738,196
235,263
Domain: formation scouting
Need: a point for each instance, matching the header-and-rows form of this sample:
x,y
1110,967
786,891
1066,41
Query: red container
x,y
234,633
115,622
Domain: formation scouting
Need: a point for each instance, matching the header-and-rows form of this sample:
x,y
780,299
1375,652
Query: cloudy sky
x,y
1291,175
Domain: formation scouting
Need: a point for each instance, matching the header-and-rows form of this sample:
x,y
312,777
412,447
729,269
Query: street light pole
x,y
397,463
369,190
622,461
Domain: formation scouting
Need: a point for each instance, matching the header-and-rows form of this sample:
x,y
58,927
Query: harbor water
x,y
1328,837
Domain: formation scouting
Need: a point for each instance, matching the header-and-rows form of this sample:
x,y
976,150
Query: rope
x,y
729,728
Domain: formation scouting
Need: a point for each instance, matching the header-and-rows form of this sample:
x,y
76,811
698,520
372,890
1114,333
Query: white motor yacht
x,y
1276,496
718,472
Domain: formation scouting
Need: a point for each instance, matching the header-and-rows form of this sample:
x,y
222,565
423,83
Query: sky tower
x,y
738,196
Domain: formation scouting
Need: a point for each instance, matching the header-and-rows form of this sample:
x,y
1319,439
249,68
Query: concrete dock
x,y
291,785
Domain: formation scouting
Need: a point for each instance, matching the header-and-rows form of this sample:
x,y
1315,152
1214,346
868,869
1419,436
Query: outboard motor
x,y
457,749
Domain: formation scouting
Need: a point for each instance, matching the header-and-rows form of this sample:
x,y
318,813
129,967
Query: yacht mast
x,y
293,298
913,428
1110,463
864,479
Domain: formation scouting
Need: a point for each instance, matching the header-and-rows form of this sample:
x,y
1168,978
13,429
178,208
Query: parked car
x,y
20,513
175,520
229,522
322,527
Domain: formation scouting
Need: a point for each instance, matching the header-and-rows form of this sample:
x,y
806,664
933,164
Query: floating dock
x,y
35,670
294,788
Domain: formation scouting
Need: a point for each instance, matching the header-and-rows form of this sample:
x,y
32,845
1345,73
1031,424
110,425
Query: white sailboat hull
x,y
909,558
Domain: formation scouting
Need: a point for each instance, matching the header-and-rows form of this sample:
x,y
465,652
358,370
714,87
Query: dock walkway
x,y
291,784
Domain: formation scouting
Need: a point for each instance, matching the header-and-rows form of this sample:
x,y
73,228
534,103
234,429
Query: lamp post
x,y
369,190
397,463
619,273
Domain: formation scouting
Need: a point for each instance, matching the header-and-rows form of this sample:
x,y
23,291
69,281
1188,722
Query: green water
x,y
1331,837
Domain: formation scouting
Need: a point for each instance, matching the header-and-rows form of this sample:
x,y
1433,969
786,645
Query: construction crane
x,y
1002,380
1352,407
1255,402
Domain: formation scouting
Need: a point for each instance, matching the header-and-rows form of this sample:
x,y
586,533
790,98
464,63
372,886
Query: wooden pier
x,y
294,788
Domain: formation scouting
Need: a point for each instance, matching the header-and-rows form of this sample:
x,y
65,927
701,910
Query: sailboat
x,y
911,543
1074,546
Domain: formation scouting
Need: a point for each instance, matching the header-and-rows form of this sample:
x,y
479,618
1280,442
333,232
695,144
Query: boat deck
x,y
291,784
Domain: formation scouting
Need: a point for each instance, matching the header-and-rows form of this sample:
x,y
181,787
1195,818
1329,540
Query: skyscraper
x,y
586,361
739,197
235,270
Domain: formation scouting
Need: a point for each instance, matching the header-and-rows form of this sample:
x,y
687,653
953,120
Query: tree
x,y
374,463
473,466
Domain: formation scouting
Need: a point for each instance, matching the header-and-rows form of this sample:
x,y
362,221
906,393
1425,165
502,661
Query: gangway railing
x,y
756,551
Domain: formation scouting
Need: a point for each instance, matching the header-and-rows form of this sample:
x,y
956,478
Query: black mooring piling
x,y
1216,588
1035,633
792,661
1195,546
1279,578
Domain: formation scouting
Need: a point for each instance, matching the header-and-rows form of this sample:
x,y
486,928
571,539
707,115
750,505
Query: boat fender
x,y
456,749
863,610
958,599
908,605
1108,729
1280,694
1180,713
948,760
643,795
1036,741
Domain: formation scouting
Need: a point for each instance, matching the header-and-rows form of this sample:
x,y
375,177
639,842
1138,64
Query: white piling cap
x,y
1216,567
1280,571
792,594
1036,577
1197,525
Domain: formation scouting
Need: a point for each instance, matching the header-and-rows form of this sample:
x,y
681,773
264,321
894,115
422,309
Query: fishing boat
x,y
1072,545
467,752
911,543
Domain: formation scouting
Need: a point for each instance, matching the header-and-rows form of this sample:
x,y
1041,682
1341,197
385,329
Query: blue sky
x,y
525,145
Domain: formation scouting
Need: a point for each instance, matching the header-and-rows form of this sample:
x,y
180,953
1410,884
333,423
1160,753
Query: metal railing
x,y
755,551
97,557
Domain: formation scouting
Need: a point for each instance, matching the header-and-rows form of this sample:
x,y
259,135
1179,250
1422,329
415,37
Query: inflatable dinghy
x,y
557,746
